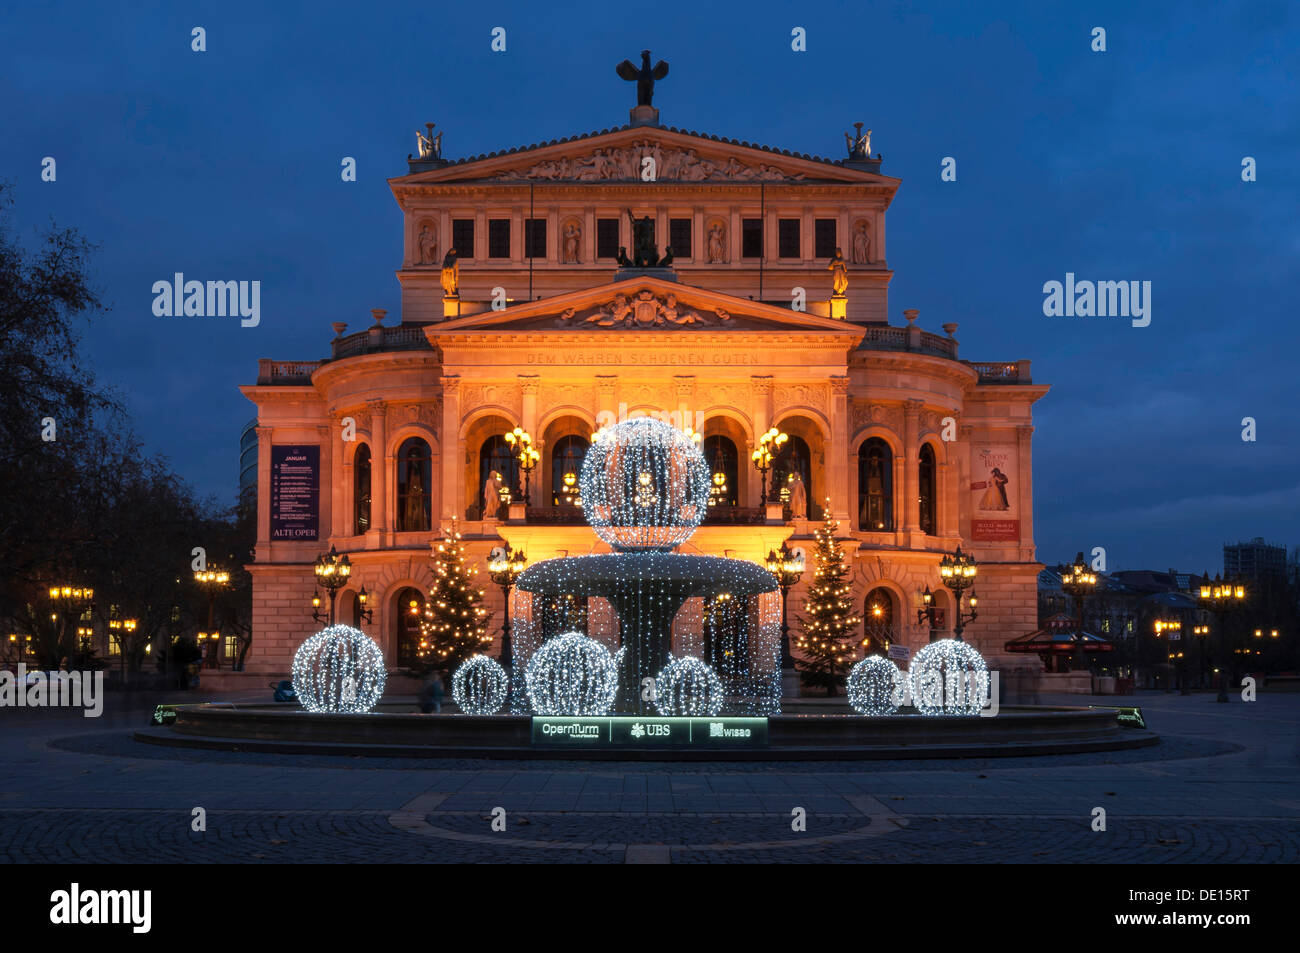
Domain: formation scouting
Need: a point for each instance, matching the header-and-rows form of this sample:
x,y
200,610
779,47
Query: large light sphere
x,y
571,675
339,669
645,485
688,686
480,686
876,686
948,678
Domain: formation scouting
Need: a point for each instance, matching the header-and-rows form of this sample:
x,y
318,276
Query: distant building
x,y
1254,560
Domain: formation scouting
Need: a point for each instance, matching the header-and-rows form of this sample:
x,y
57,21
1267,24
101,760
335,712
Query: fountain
x,y
645,489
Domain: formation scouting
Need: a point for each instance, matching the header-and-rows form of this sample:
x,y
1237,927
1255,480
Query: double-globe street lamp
x,y
787,566
1222,597
958,570
332,572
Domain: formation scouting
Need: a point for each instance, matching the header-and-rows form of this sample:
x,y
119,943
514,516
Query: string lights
x,y
949,678
339,669
455,623
688,686
876,686
480,686
831,624
571,675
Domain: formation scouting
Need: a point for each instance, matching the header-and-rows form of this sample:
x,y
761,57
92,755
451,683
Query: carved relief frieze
x,y
628,162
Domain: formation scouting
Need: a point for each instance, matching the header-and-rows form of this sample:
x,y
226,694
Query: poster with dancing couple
x,y
994,488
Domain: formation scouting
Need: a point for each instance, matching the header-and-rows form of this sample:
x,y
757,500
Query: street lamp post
x,y
957,571
787,566
212,581
521,442
1079,582
769,445
1221,597
332,572
928,613
505,568
1172,629
74,600
1201,632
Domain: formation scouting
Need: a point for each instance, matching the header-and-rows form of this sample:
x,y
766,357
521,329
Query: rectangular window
x,y
606,238
824,238
114,645
498,238
787,238
534,238
462,237
679,237
751,238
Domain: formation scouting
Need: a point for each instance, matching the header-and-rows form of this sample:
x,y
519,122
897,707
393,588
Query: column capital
x,y
762,383
839,384
377,405
912,407
262,431
1024,432
451,385
606,383
684,384
529,383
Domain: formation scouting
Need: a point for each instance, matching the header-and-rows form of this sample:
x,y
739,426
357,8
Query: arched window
x,y
875,486
927,473
414,486
361,490
566,468
795,459
878,622
496,455
406,621
724,473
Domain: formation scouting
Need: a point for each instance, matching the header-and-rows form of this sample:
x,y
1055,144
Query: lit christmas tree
x,y
455,622
830,625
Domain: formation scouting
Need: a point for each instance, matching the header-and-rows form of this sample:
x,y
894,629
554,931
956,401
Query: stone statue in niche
x,y
572,243
451,275
861,244
839,270
717,245
427,245
798,497
492,495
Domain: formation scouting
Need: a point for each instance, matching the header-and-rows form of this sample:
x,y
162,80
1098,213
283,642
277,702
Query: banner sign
x,y
295,492
631,731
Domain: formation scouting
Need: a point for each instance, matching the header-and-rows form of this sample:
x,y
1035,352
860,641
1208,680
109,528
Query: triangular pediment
x,y
645,305
619,155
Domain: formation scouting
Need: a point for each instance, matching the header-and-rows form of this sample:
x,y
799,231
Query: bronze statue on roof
x,y
644,77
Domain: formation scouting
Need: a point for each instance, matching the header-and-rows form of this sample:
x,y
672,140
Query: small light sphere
x,y
480,686
645,485
688,686
948,678
571,675
339,669
876,686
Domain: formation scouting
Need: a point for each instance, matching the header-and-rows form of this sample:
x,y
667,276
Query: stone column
x,y
945,523
911,455
1026,492
606,406
380,477
264,437
329,464
838,451
453,449
761,414
528,384
684,386
965,433
346,492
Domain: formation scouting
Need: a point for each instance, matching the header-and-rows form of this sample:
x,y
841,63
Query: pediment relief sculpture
x,y
642,310
628,162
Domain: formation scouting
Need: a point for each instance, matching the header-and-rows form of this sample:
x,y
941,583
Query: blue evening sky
x,y
1117,165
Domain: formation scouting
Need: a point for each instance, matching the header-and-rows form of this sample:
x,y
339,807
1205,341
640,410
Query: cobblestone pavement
x,y
1220,787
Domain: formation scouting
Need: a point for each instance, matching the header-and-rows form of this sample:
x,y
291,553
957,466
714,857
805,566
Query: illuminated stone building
x,y
916,450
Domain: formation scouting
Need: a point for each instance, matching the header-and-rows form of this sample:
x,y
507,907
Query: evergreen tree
x,y
455,623
830,624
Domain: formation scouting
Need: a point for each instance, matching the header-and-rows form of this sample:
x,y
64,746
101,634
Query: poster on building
x,y
995,517
295,492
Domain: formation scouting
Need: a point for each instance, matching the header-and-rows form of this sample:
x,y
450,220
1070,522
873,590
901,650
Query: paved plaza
x,y
1220,787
